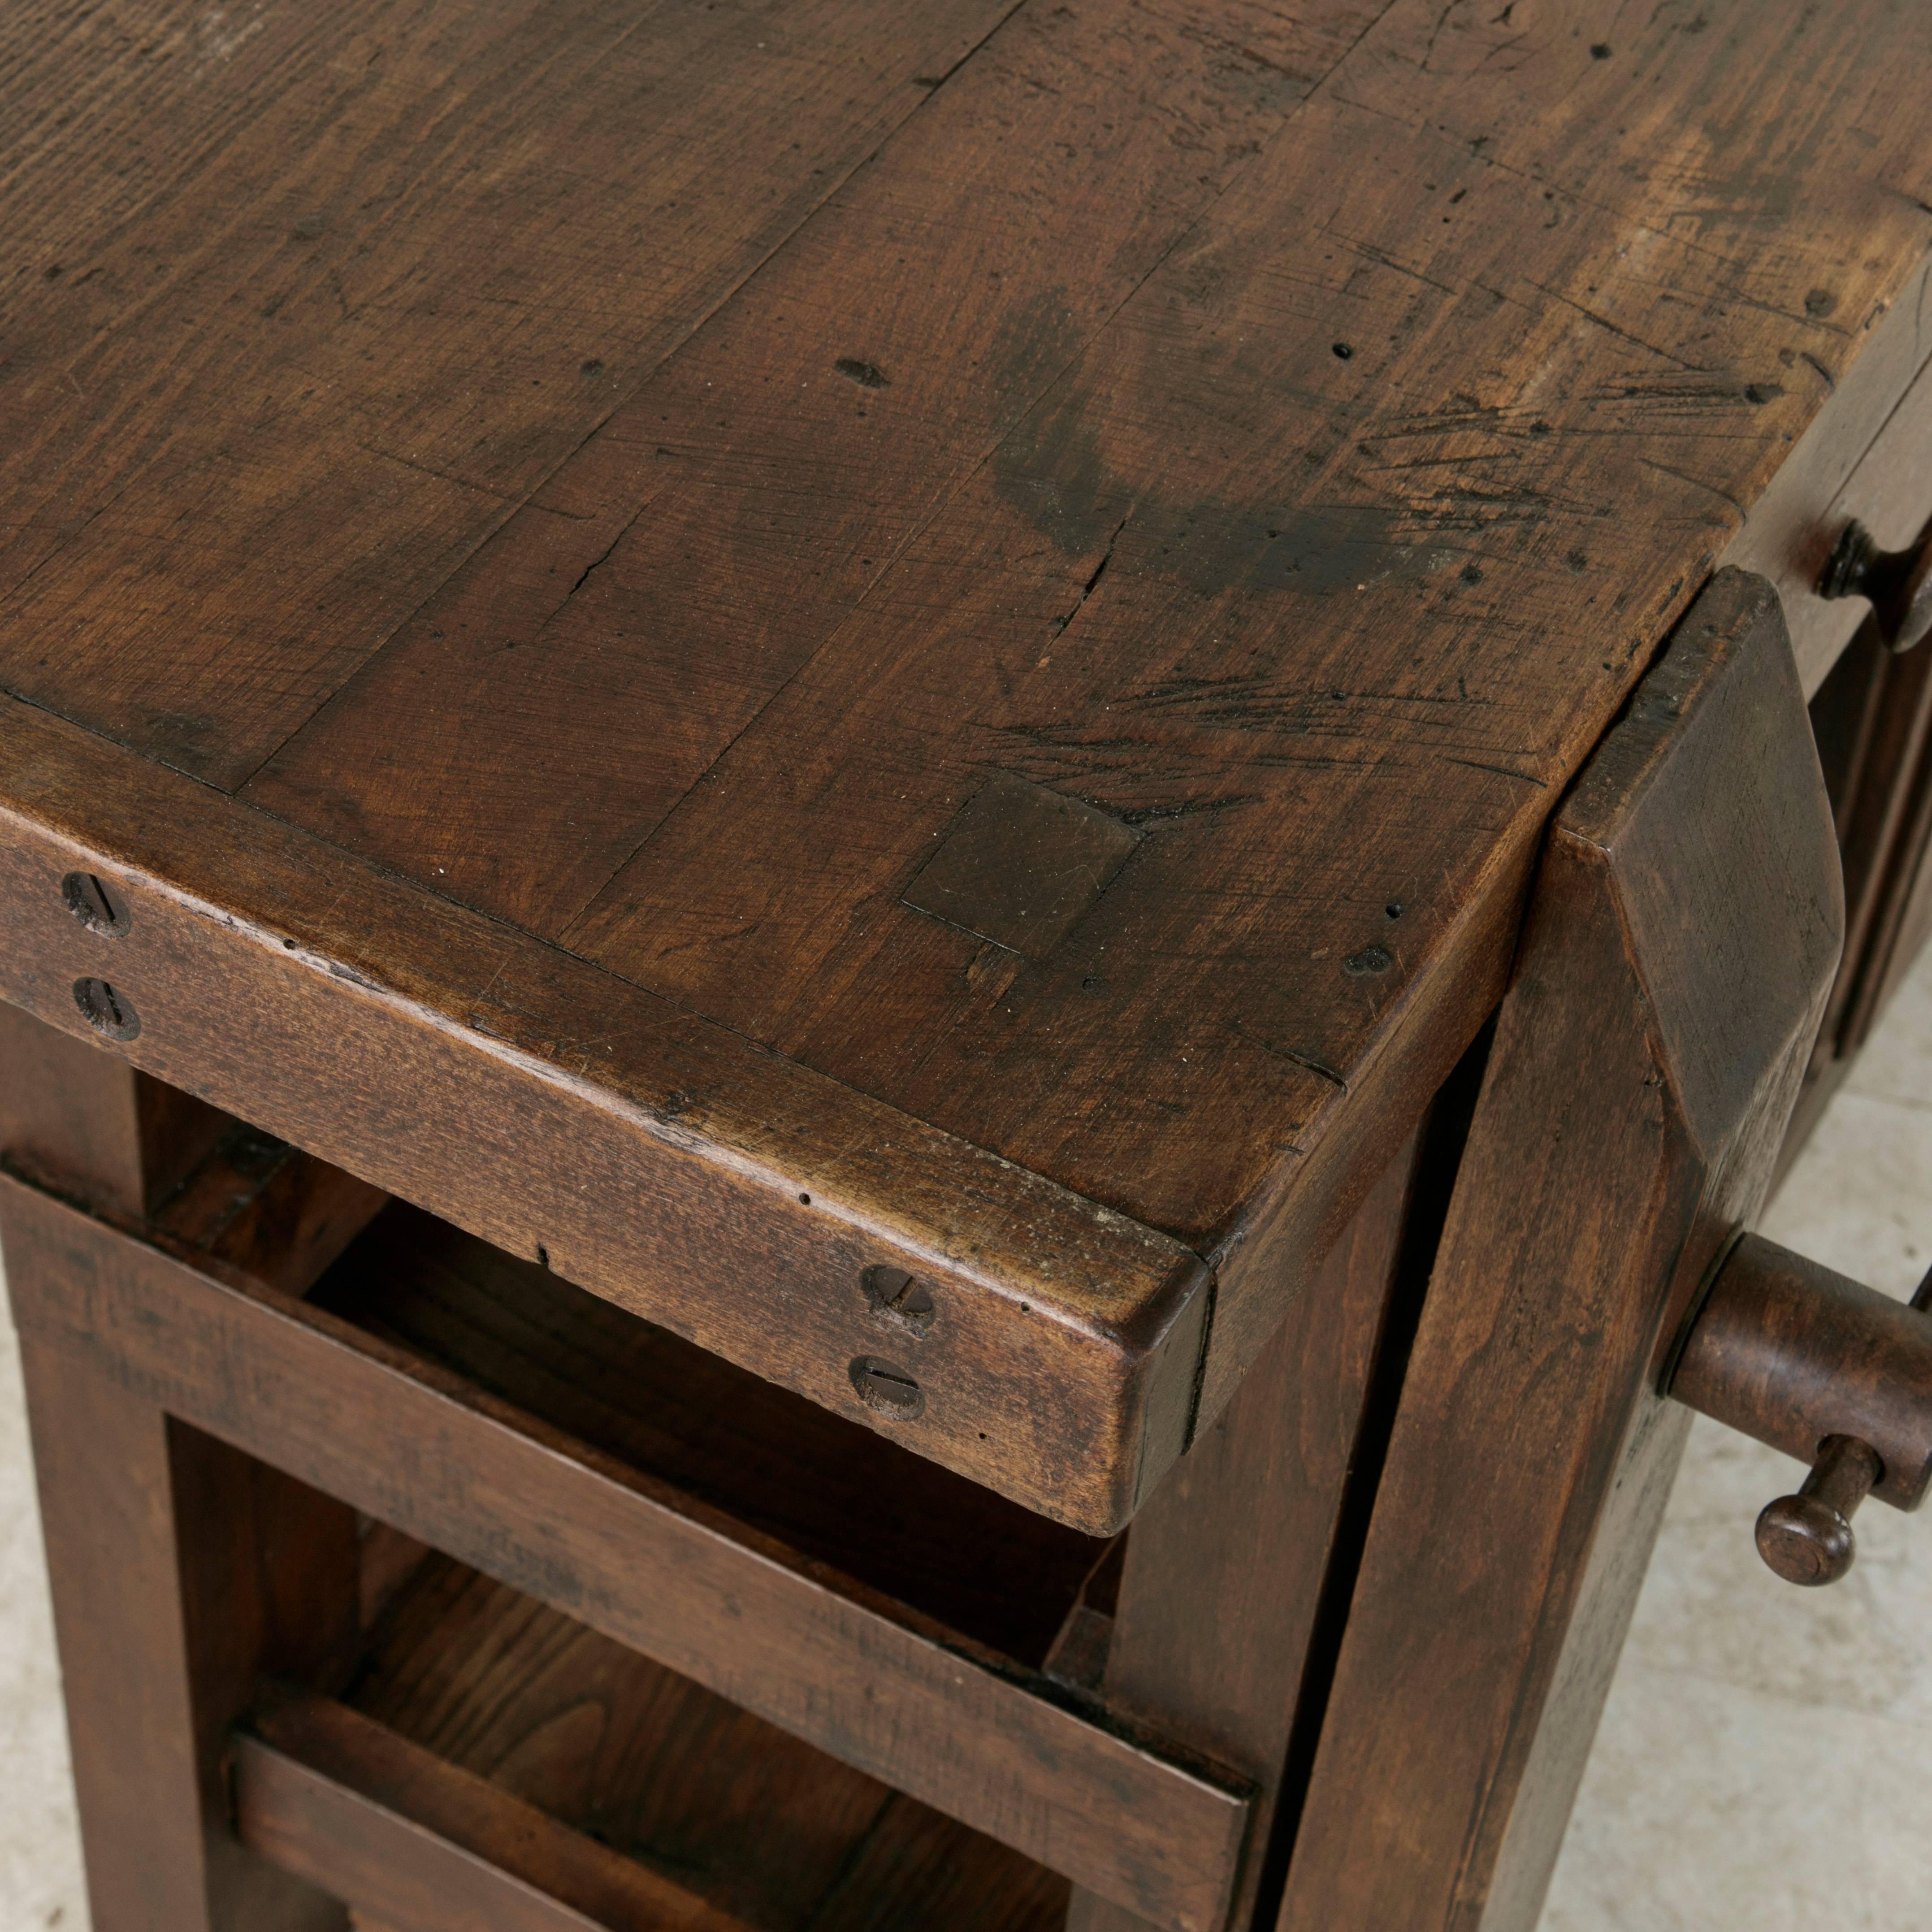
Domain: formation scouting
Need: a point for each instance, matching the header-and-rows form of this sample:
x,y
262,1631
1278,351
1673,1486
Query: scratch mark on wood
x,y
1501,771
1604,323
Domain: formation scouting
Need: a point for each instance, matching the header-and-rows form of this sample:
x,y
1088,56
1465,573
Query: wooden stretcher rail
x,y
422,1846
851,1672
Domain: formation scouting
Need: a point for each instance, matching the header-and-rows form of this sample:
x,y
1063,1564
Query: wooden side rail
x,y
972,1734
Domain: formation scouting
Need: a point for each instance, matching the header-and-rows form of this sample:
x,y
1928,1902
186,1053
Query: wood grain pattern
x,y
786,1640
374,271
748,1819
683,565
1545,365
834,1491
1686,924
1289,438
324,1792
732,1196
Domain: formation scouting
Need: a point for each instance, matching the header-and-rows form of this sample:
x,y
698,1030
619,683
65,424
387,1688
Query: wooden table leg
x,y
81,1119
1227,1566
1685,924
180,1568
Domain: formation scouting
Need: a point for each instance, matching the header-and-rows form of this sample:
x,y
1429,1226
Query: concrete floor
x,y
1763,1762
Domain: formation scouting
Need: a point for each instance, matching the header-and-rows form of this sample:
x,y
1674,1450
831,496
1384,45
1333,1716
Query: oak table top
x,y
884,680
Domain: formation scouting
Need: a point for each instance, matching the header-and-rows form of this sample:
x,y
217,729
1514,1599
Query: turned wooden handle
x,y
1826,1369
1898,582
1807,1538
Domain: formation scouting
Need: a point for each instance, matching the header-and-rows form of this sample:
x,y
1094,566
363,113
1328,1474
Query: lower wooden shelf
x,y
773,1593
493,1761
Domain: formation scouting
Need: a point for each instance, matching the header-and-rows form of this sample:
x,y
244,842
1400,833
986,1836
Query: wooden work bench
x,y
904,908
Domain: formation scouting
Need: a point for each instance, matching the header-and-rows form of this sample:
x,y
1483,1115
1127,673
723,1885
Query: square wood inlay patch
x,y
1020,865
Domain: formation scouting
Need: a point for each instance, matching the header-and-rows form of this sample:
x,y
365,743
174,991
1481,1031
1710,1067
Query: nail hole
x,y
95,905
805,1200
1343,352
888,1389
106,1010
543,1254
893,1293
1394,908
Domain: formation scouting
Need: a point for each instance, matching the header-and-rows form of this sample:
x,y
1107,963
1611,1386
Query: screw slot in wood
x,y
105,1010
96,905
893,1293
887,1387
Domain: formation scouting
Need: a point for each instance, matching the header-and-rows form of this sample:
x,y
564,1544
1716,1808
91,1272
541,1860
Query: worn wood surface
x,y
642,474
793,1643
282,273
730,1195
1681,944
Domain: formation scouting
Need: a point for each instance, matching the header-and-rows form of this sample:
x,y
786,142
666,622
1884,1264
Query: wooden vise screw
x,y
1829,1371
